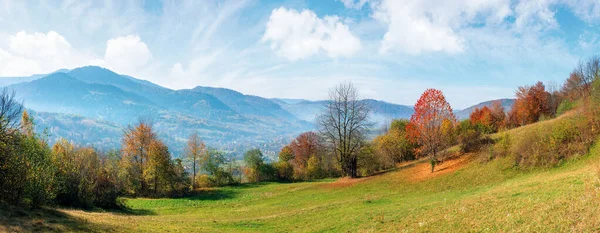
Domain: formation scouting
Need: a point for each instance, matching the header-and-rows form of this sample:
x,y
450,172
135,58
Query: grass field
x,y
463,195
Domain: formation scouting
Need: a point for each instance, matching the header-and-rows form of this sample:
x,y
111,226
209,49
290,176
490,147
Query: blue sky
x,y
473,50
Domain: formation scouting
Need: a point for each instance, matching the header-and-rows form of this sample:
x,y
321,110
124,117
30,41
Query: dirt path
x,y
414,171
422,171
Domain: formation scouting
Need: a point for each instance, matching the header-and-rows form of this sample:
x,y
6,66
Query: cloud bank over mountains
x,y
274,48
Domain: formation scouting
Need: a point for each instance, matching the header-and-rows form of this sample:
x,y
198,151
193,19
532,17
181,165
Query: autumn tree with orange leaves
x,y
488,120
481,116
305,146
135,154
428,123
531,104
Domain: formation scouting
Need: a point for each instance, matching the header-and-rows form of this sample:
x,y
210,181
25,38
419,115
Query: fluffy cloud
x,y
535,15
588,10
38,53
418,26
38,45
297,35
126,54
33,53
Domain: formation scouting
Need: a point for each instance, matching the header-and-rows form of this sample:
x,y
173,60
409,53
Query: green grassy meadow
x,y
466,194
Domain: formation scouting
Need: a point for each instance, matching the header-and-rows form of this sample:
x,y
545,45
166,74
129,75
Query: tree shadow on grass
x,y
225,192
211,194
134,212
394,169
20,219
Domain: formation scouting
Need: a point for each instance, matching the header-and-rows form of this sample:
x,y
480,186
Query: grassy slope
x,y
464,195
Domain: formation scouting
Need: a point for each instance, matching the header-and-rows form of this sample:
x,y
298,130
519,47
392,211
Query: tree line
x,y
340,147
35,173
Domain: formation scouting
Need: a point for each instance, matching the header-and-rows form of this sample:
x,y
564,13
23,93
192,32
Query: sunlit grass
x,y
480,196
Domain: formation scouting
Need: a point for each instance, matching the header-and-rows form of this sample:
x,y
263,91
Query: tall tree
x,y
160,167
254,164
136,145
26,124
498,115
195,151
344,122
427,123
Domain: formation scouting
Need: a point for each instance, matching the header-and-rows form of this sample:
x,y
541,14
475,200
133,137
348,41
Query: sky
x,y
392,50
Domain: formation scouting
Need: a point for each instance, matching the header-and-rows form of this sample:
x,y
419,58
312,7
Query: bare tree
x,y
344,123
10,110
194,151
585,73
591,70
553,97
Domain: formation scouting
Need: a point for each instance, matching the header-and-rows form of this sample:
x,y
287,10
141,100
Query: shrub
x,y
565,106
469,140
268,172
214,167
285,170
471,136
370,162
501,148
313,168
553,144
394,145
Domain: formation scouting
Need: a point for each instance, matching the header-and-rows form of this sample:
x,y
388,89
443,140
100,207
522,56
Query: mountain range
x,y
92,105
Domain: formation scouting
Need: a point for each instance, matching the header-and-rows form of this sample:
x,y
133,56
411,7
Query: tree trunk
x,y
433,161
155,183
194,176
354,168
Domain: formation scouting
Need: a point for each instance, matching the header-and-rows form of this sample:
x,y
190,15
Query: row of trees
x,y
34,173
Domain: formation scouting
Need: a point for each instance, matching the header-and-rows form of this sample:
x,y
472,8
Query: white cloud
x,y
34,53
418,26
11,65
587,10
126,54
38,45
297,35
535,15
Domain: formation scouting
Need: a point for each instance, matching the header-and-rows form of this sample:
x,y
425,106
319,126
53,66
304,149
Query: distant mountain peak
x,y
58,77
93,68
